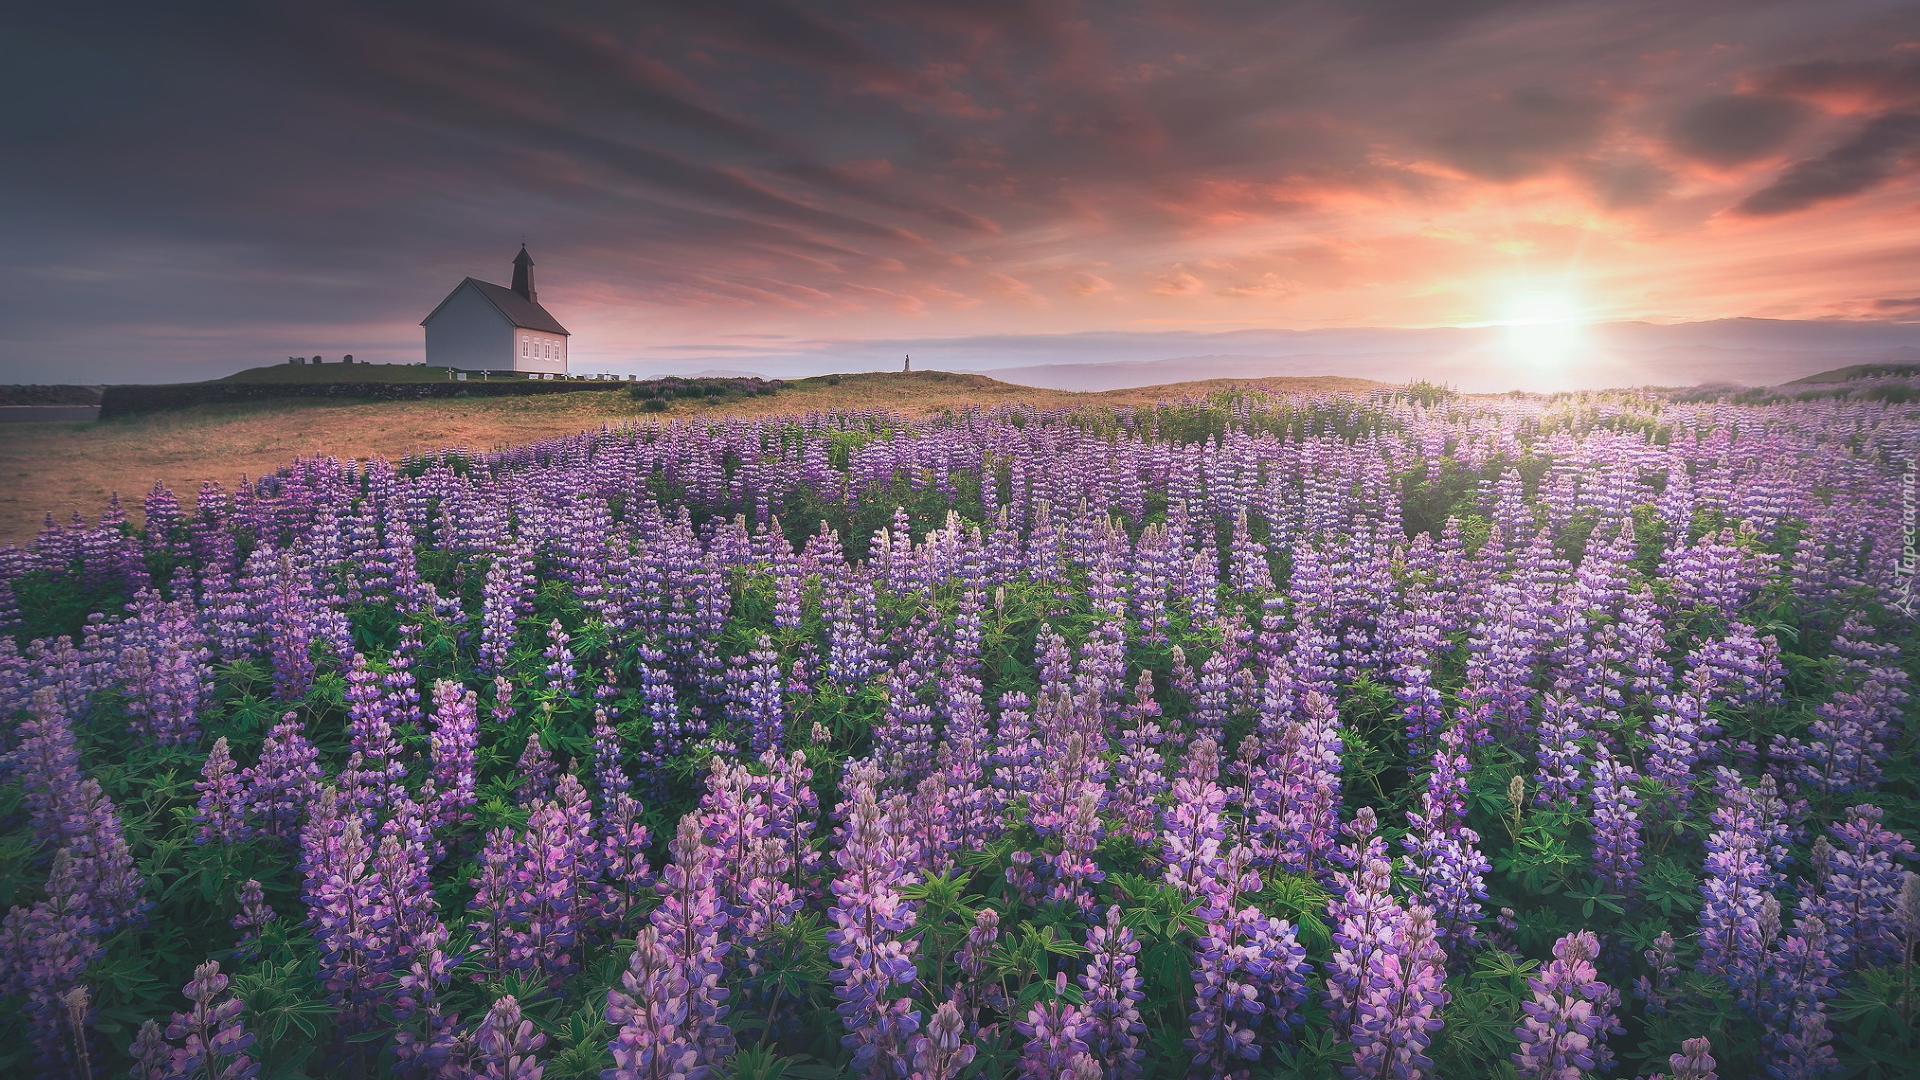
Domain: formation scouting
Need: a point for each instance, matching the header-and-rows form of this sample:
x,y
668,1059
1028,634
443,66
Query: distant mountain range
x,y
1754,352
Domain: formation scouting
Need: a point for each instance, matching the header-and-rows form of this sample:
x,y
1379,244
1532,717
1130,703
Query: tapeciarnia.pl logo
x,y
1909,526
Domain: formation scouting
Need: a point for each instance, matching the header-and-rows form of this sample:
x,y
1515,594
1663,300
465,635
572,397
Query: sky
x,y
196,187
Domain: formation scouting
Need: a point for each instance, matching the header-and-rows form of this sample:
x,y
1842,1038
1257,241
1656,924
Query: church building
x,y
481,326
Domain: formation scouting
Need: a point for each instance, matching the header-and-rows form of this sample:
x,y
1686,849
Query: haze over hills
x,y
1485,358
1754,352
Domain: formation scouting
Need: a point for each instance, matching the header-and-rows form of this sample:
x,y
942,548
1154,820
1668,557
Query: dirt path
x,y
62,467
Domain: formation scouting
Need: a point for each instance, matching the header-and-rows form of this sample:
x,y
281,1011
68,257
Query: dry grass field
x,y
62,467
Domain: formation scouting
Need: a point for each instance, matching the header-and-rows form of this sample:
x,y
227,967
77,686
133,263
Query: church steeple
x,y
523,275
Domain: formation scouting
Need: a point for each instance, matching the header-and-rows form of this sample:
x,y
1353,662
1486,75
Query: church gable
x,y
467,301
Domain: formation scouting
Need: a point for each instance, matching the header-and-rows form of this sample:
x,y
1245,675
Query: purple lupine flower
x,y
455,745
254,915
1052,1029
1663,965
625,873
1400,1001
419,955
1616,823
1742,853
501,711
165,671
150,1054
166,524
756,698
869,938
652,1042
1745,668
1792,1007
1560,752
751,821
499,902
1112,1026
374,775
1847,742
1859,881
47,762
1677,735
69,812
1442,853
1016,751
1021,878
691,919
215,1040
1693,1062
1140,774
222,812
1195,830
293,621
1565,1030
505,1044
348,911
537,771
1249,974
543,904
942,1052
903,739
966,802
1074,871
974,990
660,701
1212,700
1363,913
1296,797
44,949
852,626
403,691
607,689
609,772
1721,572
1801,1049
505,599
560,670
283,782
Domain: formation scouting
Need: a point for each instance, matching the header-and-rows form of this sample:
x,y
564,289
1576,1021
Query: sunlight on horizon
x,y
1543,328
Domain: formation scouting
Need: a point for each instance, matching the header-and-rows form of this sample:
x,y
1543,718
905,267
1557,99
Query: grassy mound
x,y
339,373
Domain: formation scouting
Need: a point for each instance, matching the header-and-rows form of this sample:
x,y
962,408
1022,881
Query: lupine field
x,y
1392,736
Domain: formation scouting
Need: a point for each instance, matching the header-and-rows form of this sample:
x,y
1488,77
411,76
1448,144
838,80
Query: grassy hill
x,y
338,373
62,467
1860,371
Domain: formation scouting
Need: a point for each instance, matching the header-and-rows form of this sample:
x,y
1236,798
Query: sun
x,y
1543,328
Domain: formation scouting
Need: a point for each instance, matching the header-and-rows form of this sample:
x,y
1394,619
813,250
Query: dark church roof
x,y
520,311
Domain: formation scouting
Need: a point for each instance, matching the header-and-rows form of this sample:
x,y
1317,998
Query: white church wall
x,y
470,333
537,350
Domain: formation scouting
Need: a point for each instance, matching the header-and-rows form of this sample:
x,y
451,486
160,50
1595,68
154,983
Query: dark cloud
x,y
1871,156
1897,307
1883,79
1418,21
1522,133
1733,129
1625,181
